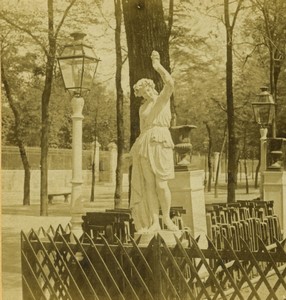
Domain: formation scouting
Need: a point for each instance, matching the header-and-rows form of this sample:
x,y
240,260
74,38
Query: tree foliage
x,y
190,36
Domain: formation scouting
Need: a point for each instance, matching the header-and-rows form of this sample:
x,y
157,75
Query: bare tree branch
x,y
170,16
63,18
216,101
250,54
102,14
236,13
35,38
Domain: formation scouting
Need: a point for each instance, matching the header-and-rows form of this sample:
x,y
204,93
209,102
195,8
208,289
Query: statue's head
x,y
144,85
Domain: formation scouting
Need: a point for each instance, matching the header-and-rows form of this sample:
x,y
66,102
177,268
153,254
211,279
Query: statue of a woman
x,y
152,154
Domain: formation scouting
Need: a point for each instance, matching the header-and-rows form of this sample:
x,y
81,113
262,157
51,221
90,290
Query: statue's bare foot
x,y
154,227
170,225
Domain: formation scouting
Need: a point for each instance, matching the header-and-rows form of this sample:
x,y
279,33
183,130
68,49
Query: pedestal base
x,y
188,191
167,235
274,188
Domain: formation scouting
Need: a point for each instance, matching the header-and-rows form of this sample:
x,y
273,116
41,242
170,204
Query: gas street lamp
x,y
264,114
264,110
78,64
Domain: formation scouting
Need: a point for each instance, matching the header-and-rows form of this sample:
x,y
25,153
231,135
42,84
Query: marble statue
x,y
152,154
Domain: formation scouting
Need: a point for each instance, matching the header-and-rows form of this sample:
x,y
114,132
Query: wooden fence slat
x,y
138,276
207,266
92,268
26,286
106,269
47,282
119,267
167,278
243,271
255,263
53,270
175,265
142,257
274,266
228,275
79,267
39,291
193,269
60,256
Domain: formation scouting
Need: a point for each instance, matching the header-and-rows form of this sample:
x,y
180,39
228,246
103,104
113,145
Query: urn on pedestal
x,y
183,148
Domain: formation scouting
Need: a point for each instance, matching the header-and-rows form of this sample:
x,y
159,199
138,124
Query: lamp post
x,y
264,113
78,64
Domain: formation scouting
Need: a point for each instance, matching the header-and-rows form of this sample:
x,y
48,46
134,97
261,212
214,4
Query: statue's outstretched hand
x,y
155,56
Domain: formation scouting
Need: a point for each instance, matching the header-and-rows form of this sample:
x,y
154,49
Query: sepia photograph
x,y
143,149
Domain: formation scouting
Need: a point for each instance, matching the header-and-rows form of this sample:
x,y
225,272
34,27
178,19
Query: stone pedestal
x,y
188,191
274,188
167,235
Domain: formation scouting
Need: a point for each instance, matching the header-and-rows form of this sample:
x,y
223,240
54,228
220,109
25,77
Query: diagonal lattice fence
x,y
56,265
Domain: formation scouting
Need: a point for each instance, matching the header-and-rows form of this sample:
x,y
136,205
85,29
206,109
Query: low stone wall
x,y
58,181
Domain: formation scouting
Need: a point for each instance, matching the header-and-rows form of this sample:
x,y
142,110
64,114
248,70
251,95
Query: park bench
x,y
52,195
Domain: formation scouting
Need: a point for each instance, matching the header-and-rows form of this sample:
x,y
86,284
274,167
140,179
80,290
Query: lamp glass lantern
x,y
264,108
78,64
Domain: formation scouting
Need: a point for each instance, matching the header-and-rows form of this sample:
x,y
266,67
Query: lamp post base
x,y
77,209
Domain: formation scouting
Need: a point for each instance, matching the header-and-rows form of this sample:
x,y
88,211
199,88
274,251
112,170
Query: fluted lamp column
x,y
77,104
78,63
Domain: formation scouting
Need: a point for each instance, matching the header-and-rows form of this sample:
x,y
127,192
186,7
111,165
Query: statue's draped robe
x,y
154,144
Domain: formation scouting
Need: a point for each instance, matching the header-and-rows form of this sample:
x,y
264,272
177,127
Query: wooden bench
x,y
52,195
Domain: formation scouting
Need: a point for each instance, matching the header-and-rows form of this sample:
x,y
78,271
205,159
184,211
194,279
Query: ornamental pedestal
x,y
188,191
274,188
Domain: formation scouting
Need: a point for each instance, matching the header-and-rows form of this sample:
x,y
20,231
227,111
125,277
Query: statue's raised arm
x,y
166,77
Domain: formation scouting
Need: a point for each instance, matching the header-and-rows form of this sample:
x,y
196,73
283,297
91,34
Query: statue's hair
x,y
142,83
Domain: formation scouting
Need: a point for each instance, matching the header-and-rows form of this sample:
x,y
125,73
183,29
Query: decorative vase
x,y
183,148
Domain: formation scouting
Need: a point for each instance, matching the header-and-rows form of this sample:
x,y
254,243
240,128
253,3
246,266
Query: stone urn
x,y
183,148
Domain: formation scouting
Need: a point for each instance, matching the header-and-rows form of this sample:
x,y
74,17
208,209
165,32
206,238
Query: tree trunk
x,y
209,158
257,169
119,105
218,163
232,166
23,154
93,172
170,26
45,112
145,31
245,162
